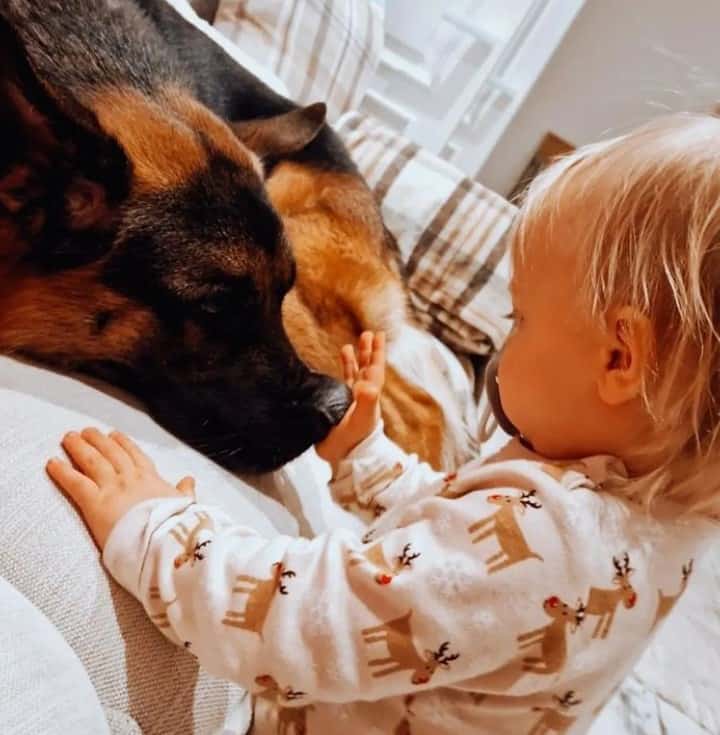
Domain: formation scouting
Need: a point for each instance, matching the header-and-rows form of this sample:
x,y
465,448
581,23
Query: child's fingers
x,y
375,374
133,450
187,486
366,397
88,459
378,350
112,451
349,364
365,349
79,487
376,371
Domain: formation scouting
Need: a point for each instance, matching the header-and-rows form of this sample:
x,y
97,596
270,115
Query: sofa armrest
x,y
323,50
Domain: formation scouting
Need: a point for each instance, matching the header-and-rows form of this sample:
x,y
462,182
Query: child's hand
x,y
113,475
366,380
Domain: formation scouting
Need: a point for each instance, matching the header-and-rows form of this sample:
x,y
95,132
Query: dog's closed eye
x,y
225,294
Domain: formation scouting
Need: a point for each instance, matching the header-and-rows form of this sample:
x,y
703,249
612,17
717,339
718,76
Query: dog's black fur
x,y
234,93
216,367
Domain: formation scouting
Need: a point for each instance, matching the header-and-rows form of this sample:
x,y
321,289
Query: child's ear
x,y
627,357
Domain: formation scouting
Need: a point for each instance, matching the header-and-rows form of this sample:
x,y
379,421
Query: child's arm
x,y
328,619
377,473
366,466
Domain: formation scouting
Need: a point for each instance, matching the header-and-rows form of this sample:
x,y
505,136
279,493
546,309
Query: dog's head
x,y
137,242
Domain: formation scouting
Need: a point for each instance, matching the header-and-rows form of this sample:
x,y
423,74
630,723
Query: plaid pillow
x,y
323,50
451,234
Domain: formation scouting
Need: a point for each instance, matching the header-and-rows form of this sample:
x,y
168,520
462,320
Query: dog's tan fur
x,y
164,150
347,280
346,283
33,312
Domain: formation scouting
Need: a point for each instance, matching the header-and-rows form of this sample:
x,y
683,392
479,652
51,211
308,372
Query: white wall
x,y
621,63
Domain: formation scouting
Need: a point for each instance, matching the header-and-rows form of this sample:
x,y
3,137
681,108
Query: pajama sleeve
x,y
379,474
332,619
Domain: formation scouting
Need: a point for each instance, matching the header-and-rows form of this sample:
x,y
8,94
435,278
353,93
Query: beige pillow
x,y
322,51
37,666
48,556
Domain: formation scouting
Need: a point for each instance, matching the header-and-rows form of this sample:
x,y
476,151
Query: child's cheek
x,y
513,382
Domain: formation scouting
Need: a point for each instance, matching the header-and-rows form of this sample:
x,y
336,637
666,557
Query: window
x,y
454,72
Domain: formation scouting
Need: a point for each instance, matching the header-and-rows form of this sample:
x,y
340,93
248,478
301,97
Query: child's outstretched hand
x,y
365,375
113,474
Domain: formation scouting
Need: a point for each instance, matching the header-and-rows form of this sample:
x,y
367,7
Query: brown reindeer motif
x,y
448,481
376,558
270,689
554,719
503,525
261,593
189,539
367,537
604,602
551,638
351,502
667,602
385,476
402,654
290,719
157,608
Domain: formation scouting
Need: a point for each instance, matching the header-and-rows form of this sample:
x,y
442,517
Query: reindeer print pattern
x,y
384,476
667,602
158,608
603,603
368,535
269,688
260,595
551,638
290,720
504,527
376,481
189,539
556,719
375,557
448,482
369,624
350,502
402,653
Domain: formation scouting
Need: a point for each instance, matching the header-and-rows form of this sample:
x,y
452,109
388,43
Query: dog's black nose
x,y
330,398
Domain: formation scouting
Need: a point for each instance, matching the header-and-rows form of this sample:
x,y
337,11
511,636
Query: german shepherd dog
x,y
170,224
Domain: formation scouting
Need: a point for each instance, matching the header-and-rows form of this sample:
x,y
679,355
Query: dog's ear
x,y
59,174
206,9
282,134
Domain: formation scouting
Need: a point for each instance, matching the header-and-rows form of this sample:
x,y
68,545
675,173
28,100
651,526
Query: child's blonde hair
x,y
650,238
